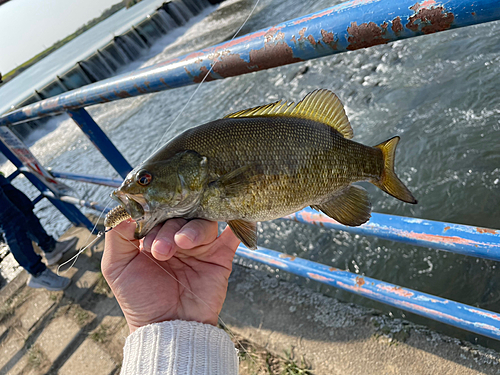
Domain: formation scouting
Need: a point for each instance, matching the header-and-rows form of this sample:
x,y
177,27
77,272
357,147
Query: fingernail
x,y
162,246
189,233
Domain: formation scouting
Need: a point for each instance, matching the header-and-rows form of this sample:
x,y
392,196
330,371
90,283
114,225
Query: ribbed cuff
x,y
179,348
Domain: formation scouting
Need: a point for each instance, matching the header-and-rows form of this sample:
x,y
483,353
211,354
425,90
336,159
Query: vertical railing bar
x,y
101,141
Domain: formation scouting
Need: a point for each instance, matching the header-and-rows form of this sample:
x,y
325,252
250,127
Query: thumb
x,y
119,249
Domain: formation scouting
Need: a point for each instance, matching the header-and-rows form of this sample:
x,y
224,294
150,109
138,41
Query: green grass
x,y
101,334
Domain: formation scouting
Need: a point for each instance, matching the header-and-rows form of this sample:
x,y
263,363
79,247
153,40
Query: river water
x,y
438,92
61,60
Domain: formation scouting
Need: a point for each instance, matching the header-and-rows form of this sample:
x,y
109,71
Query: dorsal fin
x,y
320,105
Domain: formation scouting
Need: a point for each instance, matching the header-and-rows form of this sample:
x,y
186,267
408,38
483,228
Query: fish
x,y
261,164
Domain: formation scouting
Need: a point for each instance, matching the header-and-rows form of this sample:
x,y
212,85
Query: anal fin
x,y
246,231
350,207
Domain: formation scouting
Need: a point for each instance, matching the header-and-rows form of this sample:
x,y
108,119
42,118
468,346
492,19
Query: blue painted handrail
x,y
457,238
348,26
98,180
443,310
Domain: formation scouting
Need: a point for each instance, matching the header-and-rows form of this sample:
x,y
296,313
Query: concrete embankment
x,y
82,330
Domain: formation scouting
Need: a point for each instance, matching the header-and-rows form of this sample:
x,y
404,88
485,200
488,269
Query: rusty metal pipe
x,y
345,27
457,314
457,238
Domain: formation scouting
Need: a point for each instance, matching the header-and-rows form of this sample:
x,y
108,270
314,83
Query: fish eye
x,y
144,178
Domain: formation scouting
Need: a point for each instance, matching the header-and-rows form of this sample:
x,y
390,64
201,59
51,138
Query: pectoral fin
x,y
234,182
350,207
246,231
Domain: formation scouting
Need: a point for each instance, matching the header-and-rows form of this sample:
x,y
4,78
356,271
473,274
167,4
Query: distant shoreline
x,y
107,13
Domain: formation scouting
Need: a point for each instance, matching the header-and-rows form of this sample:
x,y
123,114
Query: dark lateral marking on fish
x,y
397,26
366,35
429,21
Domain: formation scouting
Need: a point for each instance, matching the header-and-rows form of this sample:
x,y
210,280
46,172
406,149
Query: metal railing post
x,y
100,141
73,214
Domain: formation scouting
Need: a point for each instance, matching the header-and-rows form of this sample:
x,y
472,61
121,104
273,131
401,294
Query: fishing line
x,y
202,81
74,258
151,258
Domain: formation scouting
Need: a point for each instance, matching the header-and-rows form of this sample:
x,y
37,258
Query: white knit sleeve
x,y
179,348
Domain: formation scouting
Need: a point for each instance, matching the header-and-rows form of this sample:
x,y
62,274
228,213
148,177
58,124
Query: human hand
x,y
187,282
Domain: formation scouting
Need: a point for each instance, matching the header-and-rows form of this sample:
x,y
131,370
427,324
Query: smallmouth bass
x,y
261,164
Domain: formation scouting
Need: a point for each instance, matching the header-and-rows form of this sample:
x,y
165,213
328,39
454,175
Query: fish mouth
x,y
138,209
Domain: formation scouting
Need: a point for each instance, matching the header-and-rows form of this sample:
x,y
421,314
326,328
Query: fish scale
x,y
261,164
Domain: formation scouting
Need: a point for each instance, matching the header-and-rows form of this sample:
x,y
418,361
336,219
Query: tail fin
x,y
389,182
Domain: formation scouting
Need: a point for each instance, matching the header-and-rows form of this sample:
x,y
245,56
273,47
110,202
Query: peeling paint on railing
x,y
462,239
473,319
345,27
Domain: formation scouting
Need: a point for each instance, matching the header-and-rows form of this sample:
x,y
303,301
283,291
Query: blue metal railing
x,y
347,26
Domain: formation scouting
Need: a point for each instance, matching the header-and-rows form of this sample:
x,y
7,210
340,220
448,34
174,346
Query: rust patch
x,y
429,20
271,56
333,269
104,99
366,35
474,14
230,65
162,80
204,73
285,256
360,281
396,290
147,84
486,230
141,90
446,228
301,33
311,40
397,26
293,39
328,39
123,94
275,53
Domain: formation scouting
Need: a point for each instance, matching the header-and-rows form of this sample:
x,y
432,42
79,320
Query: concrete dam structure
x,y
116,53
